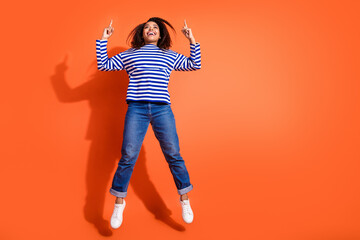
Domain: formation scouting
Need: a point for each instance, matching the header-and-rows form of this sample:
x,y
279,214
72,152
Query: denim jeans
x,y
138,117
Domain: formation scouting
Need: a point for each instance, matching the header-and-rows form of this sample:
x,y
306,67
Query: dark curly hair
x,y
136,35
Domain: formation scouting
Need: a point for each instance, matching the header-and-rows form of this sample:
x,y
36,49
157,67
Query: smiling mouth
x,y
151,34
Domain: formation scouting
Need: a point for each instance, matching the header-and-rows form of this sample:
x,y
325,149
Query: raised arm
x,y
193,62
103,61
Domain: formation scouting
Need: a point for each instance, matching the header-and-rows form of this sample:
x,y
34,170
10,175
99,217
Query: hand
x,y
108,31
188,33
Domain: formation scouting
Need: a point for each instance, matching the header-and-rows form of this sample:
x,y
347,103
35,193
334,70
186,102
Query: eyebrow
x,y
154,24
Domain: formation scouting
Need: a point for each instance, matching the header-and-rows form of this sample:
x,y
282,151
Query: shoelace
x,y
117,210
187,208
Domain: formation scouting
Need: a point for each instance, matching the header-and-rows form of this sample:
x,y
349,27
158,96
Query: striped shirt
x,y
148,68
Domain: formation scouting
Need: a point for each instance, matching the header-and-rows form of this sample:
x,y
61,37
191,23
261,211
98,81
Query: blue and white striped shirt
x,y
148,68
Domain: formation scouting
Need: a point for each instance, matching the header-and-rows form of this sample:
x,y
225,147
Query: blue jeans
x,y
138,117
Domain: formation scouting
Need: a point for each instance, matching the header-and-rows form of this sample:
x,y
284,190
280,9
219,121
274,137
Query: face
x,y
151,33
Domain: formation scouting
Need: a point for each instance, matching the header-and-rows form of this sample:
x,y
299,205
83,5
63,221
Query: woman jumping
x,y
149,63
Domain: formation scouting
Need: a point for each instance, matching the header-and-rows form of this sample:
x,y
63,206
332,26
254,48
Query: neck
x,y
154,43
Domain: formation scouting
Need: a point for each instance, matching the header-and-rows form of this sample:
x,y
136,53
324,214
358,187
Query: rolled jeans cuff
x,y
118,194
185,190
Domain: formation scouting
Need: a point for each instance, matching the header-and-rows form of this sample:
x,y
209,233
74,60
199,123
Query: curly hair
x,y
136,35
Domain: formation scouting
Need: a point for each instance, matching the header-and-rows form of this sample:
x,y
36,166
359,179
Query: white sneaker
x,y
187,213
117,216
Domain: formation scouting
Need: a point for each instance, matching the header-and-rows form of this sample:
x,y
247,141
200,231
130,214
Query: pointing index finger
x,y
110,23
185,22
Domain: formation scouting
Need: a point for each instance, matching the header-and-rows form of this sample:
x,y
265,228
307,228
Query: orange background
x,y
269,127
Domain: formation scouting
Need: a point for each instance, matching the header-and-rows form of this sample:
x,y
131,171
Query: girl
x,y
149,63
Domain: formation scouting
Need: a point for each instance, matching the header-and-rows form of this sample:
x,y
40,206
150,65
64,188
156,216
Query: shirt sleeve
x,y
191,63
105,63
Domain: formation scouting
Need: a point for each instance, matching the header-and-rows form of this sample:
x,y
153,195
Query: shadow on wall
x,y
106,93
